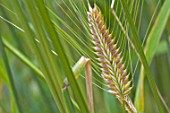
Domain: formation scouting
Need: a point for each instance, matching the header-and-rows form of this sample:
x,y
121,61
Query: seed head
x,y
110,57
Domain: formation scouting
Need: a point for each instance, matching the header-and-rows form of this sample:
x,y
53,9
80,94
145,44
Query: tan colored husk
x,y
113,69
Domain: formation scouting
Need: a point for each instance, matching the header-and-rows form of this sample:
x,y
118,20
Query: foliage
x,y
41,40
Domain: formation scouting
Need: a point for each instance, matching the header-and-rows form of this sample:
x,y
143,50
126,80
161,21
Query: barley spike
x,y
110,57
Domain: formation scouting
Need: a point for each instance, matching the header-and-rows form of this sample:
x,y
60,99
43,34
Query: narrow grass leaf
x,y
141,55
58,47
30,40
150,49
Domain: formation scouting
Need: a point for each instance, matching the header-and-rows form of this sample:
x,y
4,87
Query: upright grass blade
x,y
10,77
141,55
57,45
157,30
30,40
52,71
150,49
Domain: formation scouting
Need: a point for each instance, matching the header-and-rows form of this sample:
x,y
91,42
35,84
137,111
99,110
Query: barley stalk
x,y
113,68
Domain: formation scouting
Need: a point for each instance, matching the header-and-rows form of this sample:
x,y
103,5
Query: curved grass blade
x,y
83,63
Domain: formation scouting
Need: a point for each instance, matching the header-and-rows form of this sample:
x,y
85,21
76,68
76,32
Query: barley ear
x,y
110,57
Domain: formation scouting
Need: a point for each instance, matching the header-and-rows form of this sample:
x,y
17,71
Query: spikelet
x,y
112,67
